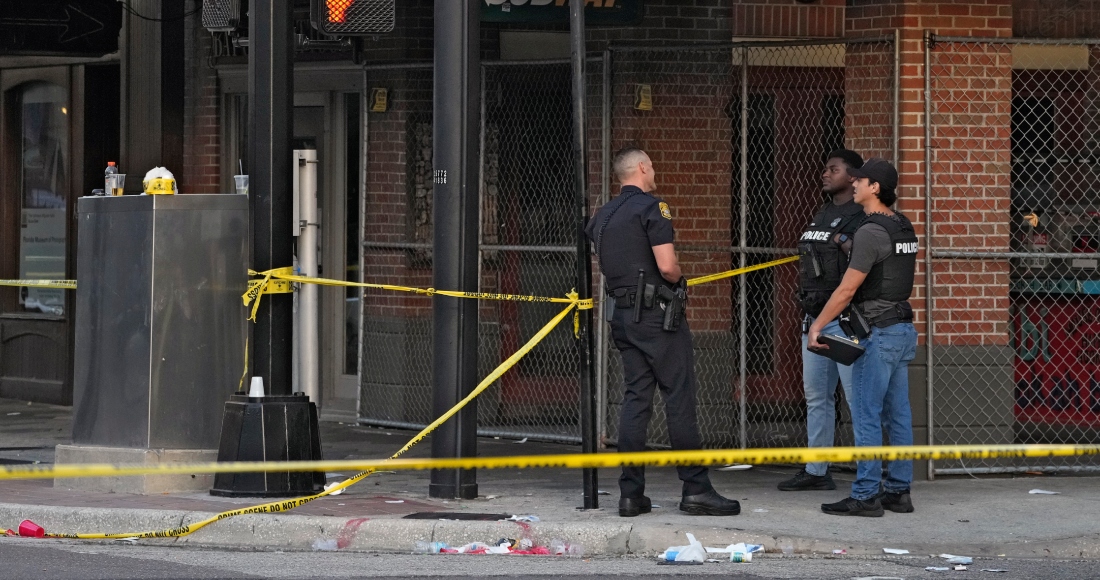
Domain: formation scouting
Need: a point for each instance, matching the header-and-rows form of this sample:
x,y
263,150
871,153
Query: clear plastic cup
x,y
119,184
241,182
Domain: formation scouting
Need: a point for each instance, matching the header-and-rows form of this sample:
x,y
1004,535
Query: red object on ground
x,y
30,529
10,532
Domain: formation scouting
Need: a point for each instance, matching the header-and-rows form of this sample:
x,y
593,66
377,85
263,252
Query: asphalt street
x,y
25,559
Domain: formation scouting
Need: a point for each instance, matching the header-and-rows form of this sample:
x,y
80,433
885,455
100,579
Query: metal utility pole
x,y
456,117
584,261
270,90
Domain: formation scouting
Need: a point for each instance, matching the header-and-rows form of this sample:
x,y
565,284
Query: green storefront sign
x,y
596,12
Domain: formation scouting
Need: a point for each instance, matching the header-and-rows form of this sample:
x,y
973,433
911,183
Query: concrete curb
x,y
394,535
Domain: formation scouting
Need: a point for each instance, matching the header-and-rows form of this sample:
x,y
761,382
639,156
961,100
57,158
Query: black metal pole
x,y
270,90
455,229
584,261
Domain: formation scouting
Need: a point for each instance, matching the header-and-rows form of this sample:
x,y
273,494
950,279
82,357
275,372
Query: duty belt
x,y
623,297
898,315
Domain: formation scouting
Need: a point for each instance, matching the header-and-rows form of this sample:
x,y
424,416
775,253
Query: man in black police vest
x,y
823,249
874,293
647,295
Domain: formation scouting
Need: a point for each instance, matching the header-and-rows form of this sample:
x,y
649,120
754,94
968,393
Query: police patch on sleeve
x,y
665,212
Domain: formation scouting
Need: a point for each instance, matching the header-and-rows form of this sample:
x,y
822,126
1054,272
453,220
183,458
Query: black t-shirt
x,y
638,221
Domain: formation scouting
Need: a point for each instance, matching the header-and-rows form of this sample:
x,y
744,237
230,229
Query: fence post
x,y
928,335
584,262
742,294
605,195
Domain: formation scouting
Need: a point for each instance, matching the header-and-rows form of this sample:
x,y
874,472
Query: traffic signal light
x,y
353,17
221,15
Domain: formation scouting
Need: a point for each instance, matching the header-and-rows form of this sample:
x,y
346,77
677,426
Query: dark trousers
x,y
655,358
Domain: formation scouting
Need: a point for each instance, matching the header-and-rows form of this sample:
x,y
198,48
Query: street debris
x,y
895,551
735,467
323,545
760,511
130,540
840,552
993,570
527,519
13,414
524,440
602,492
953,559
29,529
395,501
738,548
1043,492
937,568
329,486
959,568
522,546
693,552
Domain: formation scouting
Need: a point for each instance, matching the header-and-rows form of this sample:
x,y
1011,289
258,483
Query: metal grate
x,y
1015,199
527,246
221,15
356,17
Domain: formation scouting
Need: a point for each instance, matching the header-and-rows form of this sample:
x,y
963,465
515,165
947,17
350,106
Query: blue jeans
x,y
819,376
880,399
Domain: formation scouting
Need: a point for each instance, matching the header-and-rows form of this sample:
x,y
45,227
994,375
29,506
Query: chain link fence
x,y
528,246
738,135
1014,176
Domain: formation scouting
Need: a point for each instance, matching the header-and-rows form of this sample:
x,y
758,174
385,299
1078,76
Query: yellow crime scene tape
x,y
279,281
792,455
63,284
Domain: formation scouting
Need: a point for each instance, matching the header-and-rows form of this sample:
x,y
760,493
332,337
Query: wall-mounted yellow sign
x,y
643,97
379,100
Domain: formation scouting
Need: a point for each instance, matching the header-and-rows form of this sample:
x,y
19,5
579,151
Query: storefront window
x,y
44,181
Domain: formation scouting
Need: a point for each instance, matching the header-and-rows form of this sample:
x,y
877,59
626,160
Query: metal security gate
x,y
739,134
527,246
1014,174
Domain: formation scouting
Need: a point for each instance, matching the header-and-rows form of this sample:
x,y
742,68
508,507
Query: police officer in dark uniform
x,y
875,291
823,249
632,238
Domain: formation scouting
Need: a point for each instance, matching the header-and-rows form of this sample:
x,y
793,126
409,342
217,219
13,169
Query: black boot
x,y
850,506
632,506
896,502
803,481
709,504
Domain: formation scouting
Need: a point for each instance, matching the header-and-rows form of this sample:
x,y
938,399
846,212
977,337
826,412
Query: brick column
x,y
972,92
201,171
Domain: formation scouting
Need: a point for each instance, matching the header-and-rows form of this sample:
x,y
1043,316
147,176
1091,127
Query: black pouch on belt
x,y
854,323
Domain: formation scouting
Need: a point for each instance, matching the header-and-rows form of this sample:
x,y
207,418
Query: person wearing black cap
x,y
632,237
876,287
823,248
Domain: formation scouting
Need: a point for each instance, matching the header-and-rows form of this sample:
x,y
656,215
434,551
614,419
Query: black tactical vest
x,y
892,279
822,262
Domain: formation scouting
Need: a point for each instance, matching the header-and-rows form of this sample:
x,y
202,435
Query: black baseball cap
x,y
878,170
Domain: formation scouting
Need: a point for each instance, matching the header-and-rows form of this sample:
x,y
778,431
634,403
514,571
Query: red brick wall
x,y
788,18
971,120
688,135
201,124
388,211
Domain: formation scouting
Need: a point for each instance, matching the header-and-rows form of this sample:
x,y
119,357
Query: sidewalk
x,y
988,516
